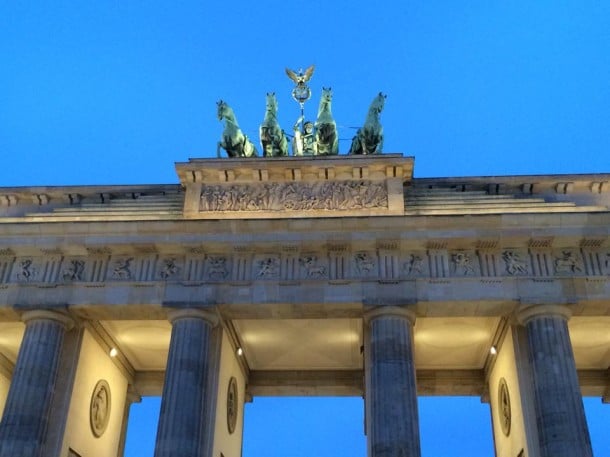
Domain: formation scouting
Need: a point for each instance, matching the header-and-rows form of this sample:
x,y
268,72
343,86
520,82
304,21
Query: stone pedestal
x,y
391,392
560,416
24,425
182,428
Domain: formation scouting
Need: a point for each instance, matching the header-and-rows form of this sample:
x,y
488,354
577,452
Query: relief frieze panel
x,y
291,196
267,267
169,268
27,270
73,270
568,262
121,269
325,264
464,263
364,264
415,265
313,266
516,262
217,267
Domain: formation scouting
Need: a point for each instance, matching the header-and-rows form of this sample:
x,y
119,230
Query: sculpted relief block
x,y
313,268
415,264
464,263
515,262
329,196
568,261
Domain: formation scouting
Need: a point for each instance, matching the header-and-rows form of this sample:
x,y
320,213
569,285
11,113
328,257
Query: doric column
x,y
24,424
391,391
182,427
560,415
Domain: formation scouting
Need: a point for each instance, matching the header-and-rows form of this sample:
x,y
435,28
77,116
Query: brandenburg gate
x,y
327,275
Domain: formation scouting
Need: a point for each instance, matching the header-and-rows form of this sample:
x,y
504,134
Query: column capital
x,y
390,311
524,314
208,315
45,314
132,395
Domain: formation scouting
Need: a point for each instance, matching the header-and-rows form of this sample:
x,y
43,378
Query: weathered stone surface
x,y
393,423
182,428
25,421
560,415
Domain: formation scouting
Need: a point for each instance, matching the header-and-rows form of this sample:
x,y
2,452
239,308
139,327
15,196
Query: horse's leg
x,y
218,146
379,148
334,150
356,146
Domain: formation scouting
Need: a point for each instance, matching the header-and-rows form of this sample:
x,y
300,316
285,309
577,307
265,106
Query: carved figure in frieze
x,y
515,265
413,265
74,270
169,268
273,139
461,263
327,139
364,263
312,269
369,138
568,263
233,139
268,267
122,268
217,267
28,272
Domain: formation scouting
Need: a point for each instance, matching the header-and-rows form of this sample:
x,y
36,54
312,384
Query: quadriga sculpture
x,y
327,140
233,139
272,137
369,138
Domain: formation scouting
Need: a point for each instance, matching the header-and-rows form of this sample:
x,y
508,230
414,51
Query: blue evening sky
x,y
115,92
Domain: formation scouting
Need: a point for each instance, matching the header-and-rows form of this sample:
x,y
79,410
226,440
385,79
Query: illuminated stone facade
x,y
302,276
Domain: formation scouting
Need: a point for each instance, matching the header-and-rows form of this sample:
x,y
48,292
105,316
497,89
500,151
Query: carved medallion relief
x,y
504,407
99,410
232,405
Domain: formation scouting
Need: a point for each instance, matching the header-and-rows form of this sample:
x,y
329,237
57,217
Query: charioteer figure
x,y
304,141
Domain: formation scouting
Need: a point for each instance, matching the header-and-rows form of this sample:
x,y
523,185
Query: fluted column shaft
x,y
25,421
181,429
560,415
392,415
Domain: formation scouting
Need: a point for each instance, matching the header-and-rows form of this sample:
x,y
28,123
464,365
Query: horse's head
x,y
271,102
378,102
223,111
327,94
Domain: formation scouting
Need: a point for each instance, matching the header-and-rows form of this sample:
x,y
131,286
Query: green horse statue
x,y
273,140
369,138
233,139
327,140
